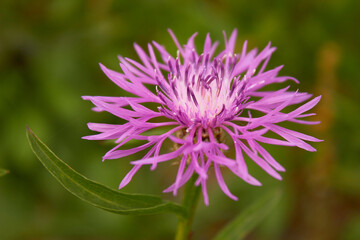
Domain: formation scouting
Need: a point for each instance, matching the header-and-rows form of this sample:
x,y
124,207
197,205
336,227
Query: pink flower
x,y
203,97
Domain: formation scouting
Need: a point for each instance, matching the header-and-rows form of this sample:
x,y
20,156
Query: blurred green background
x,y
49,55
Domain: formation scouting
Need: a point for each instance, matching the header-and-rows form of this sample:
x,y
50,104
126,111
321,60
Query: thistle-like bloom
x,y
203,97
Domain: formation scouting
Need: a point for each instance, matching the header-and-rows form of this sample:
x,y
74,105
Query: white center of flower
x,y
204,92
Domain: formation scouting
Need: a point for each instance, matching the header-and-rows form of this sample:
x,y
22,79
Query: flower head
x,y
203,97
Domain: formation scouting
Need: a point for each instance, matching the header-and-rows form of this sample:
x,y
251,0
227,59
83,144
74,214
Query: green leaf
x,y
249,218
96,194
3,172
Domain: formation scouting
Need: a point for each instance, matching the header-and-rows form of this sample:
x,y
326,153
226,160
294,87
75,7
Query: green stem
x,y
190,200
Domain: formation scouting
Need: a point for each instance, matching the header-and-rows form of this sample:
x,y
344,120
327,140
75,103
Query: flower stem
x,y
190,200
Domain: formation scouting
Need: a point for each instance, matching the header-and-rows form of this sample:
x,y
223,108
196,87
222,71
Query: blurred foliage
x,y
49,51
3,172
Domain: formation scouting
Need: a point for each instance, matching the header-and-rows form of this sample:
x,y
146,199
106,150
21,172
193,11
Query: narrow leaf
x,y
3,172
249,218
96,194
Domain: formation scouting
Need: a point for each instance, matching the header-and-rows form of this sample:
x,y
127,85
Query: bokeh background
x,y
49,55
